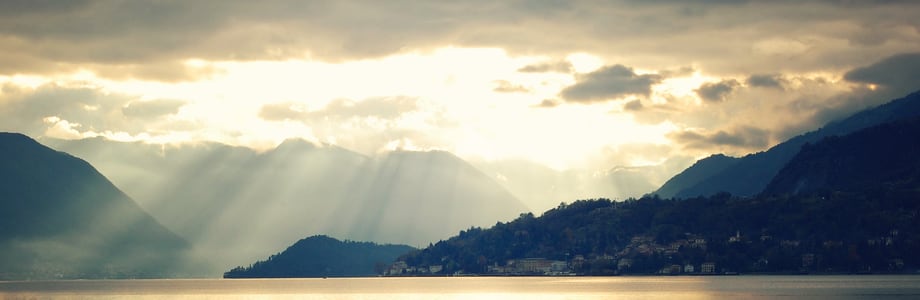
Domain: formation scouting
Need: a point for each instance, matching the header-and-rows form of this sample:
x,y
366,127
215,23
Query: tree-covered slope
x,y
880,157
321,256
845,232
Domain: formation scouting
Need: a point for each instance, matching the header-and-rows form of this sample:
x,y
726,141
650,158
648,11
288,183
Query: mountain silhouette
x,y
749,175
60,218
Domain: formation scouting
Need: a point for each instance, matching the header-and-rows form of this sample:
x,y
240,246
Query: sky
x,y
588,85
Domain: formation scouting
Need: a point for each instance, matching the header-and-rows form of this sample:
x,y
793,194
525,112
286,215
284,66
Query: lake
x,y
684,287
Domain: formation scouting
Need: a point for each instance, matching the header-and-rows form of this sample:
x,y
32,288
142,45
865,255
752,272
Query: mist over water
x,y
711,287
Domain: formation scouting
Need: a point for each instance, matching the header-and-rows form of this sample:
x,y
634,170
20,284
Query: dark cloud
x,y
504,86
383,108
775,81
546,67
609,83
744,137
39,7
899,73
128,37
716,91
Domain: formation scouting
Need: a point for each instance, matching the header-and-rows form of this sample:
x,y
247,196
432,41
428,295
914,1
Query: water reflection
x,y
765,287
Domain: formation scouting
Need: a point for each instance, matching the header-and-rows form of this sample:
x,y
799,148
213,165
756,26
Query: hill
x,y
60,218
322,256
236,204
749,175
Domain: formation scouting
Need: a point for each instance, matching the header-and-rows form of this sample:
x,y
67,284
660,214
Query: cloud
x,y
72,109
504,86
609,83
775,81
744,137
900,72
152,109
370,125
170,71
547,67
379,107
678,72
382,108
717,91
547,103
282,112
135,37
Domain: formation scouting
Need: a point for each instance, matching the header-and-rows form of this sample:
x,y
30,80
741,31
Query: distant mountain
x,y
321,256
236,204
542,188
882,157
750,174
422,197
60,218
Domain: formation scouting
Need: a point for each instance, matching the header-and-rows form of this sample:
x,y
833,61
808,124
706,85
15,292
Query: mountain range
x,y
236,204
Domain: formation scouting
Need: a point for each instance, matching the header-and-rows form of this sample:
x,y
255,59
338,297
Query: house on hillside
x,y
708,268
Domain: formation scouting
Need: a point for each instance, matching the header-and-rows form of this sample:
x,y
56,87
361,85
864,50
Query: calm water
x,y
723,287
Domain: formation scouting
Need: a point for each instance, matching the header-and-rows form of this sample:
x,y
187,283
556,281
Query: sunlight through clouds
x,y
454,88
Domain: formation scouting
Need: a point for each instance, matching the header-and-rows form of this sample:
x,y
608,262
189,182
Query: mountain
x,y
322,256
236,204
876,158
749,175
60,218
423,197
